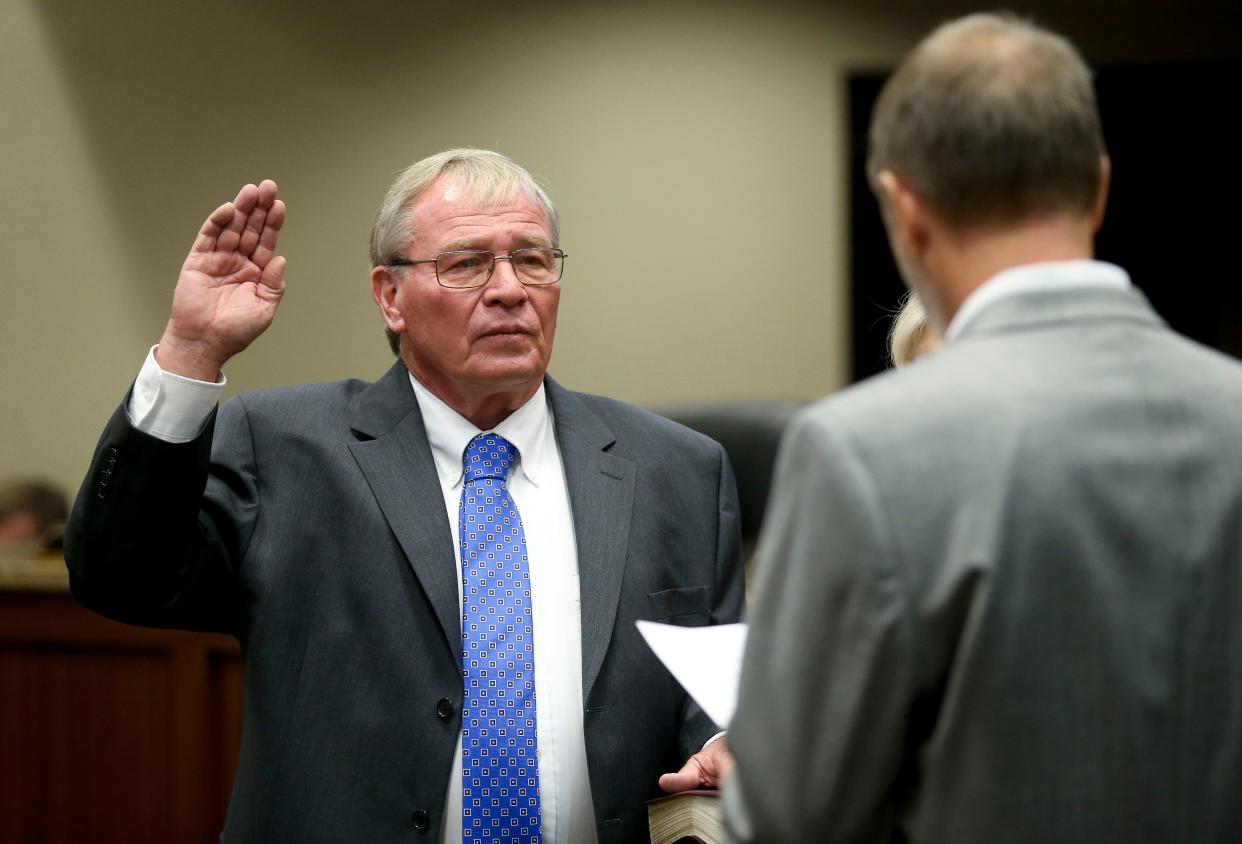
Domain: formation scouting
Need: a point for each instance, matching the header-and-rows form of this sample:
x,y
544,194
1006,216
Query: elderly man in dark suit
x,y
999,594
434,577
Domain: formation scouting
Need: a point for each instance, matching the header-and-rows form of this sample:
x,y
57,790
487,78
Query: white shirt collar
x,y
1048,275
449,433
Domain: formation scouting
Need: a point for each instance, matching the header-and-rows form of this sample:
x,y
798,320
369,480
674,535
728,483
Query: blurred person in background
x,y
32,514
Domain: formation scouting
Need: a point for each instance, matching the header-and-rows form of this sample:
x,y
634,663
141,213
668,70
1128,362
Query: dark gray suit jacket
x,y
309,522
999,595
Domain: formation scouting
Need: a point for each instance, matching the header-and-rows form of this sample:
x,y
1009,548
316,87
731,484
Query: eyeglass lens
x,y
470,268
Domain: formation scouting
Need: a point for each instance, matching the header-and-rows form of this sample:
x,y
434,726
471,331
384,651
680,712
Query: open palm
x,y
229,287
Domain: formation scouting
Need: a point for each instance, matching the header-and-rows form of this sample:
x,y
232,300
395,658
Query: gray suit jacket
x,y
310,524
999,597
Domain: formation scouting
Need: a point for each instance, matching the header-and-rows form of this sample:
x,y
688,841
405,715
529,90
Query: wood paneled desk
x,y
109,732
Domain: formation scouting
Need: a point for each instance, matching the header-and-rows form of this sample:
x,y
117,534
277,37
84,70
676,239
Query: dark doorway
x,y
1175,207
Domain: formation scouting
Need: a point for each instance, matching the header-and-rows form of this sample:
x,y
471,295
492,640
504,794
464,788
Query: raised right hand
x,y
229,287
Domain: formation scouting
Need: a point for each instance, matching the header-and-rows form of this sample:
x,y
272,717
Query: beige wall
x,y
694,153
697,152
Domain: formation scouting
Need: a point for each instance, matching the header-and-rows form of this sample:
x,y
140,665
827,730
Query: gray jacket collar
x,y
1045,308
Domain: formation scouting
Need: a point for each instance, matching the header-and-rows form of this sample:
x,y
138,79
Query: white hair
x,y
484,176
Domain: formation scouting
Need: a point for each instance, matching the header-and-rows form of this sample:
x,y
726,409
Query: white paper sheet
x,y
707,661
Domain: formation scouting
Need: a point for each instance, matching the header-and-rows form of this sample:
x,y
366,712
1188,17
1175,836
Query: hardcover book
x,y
692,816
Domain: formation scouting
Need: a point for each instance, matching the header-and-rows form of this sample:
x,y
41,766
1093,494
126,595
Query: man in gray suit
x,y
326,526
998,592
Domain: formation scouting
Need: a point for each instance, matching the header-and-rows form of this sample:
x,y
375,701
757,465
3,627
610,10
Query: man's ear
x,y
1101,199
906,214
384,281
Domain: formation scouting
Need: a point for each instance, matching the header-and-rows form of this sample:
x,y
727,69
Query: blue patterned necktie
x,y
500,766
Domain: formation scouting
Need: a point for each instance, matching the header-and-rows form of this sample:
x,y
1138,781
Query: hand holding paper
x,y
707,661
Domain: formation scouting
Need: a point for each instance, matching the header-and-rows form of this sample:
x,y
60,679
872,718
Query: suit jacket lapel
x,y
601,495
395,457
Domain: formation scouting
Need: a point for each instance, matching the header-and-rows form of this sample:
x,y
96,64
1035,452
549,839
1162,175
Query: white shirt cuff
x,y
171,407
713,739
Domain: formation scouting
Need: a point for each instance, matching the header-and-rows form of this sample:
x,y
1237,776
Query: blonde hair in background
x,y
911,337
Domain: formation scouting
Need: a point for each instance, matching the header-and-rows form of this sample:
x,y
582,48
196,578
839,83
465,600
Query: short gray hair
x,y
991,120
486,177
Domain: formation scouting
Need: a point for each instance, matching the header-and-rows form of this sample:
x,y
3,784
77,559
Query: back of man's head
x,y
990,121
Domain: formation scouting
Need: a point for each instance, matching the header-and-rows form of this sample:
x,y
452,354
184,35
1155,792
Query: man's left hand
x,y
705,769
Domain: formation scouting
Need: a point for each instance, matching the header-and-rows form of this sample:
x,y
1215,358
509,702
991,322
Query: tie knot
x,y
488,456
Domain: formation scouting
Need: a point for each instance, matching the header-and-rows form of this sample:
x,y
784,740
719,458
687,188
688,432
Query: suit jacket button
x,y
444,709
421,820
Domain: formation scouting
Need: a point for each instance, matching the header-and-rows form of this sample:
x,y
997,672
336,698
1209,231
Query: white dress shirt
x,y
176,409
1026,278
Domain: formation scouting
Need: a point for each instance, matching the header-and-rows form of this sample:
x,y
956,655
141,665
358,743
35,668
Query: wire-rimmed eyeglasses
x,y
462,269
